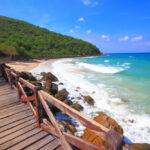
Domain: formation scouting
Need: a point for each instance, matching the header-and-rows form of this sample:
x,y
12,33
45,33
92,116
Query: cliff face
x,y
19,38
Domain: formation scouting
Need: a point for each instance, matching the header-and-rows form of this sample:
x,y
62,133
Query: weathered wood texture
x,y
18,125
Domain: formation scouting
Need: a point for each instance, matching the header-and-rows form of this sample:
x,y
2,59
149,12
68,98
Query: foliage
x,y
26,40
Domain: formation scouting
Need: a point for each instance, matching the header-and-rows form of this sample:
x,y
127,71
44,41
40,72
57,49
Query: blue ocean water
x,y
130,80
118,83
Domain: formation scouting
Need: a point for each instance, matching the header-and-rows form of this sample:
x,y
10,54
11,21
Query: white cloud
x,y
103,36
90,2
86,2
125,38
137,38
81,19
71,31
88,31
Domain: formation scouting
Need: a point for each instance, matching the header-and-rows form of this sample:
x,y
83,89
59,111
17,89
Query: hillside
x,y
21,39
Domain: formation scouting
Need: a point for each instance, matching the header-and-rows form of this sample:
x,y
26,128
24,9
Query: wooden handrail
x,y
113,138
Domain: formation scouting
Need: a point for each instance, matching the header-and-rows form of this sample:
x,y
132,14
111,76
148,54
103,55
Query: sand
x,y
25,65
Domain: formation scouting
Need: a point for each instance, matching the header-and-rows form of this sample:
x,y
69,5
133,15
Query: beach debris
x,y
106,121
62,94
89,100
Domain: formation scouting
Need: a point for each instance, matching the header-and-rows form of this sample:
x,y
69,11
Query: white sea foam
x,y
106,61
101,68
136,125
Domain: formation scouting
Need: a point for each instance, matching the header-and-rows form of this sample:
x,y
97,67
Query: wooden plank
x,y
17,133
20,105
29,141
19,139
9,126
41,143
87,122
14,118
16,128
4,106
52,145
9,105
78,142
13,112
51,117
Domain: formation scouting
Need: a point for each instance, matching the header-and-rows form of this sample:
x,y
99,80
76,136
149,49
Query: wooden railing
x,y
38,103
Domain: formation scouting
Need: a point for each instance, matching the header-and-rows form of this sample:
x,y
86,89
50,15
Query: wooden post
x,y
38,107
114,140
19,92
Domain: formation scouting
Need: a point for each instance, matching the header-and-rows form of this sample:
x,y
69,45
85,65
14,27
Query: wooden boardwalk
x,y
18,127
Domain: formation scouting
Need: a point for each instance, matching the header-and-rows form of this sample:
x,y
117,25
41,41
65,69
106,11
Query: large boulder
x,y
50,87
139,146
54,89
89,100
62,94
36,83
106,121
27,76
49,76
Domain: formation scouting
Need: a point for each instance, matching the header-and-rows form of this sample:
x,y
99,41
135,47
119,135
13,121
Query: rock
x,y
27,76
77,90
62,94
54,88
139,146
72,98
124,100
89,100
78,98
61,83
106,121
50,87
78,87
72,128
68,102
77,106
49,76
47,85
93,92
36,83
42,73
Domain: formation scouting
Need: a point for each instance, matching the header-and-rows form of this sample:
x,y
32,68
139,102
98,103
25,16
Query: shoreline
x,y
26,65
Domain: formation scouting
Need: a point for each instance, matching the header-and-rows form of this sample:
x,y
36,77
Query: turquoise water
x,y
131,82
118,83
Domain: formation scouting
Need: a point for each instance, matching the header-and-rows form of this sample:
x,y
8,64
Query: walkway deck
x,y
18,125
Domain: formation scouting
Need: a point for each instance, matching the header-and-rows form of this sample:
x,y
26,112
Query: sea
x,y
118,83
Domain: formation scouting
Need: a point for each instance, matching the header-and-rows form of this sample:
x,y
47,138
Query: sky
x,y
114,26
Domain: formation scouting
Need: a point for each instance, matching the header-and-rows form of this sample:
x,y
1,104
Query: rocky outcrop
x,y
89,100
62,94
106,121
26,76
139,146
49,76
